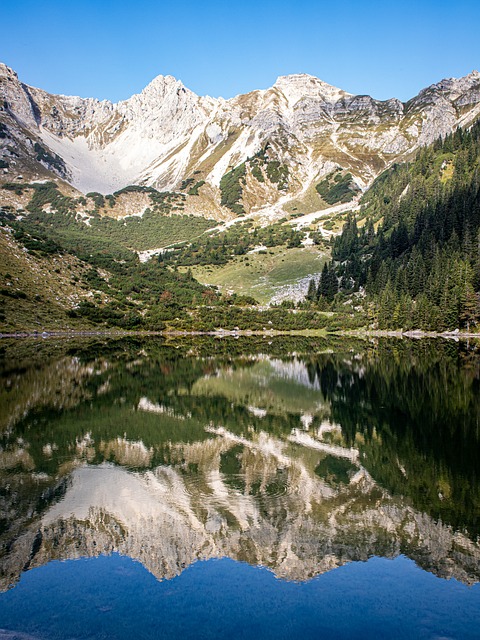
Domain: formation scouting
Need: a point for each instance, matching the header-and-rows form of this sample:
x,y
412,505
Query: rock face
x,y
167,134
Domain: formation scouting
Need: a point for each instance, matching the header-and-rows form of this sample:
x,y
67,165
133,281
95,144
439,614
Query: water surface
x,y
337,482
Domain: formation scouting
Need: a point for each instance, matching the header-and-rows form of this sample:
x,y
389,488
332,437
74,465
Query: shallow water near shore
x,y
258,487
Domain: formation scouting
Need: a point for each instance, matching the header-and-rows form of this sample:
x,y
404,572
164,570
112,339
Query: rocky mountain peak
x,y
474,75
164,103
6,72
301,85
453,88
166,133
161,85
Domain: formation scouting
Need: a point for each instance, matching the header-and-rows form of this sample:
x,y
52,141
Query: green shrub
x,y
186,183
277,173
231,187
337,187
194,190
98,199
51,160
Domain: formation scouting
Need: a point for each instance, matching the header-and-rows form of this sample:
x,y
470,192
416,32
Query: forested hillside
x,y
415,246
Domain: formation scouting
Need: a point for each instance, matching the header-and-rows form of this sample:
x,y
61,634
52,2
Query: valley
x,y
170,211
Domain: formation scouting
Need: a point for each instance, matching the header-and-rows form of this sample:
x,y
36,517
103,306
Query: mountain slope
x,y
302,128
417,254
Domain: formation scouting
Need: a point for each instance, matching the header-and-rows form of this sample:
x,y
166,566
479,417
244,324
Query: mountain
x,y
281,141
285,164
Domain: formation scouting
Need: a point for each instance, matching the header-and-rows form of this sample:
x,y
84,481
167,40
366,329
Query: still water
x,y
246,488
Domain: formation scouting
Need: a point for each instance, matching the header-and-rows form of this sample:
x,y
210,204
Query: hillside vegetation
x,y
337,187
66,265
416,253
95,257
263,168
409,260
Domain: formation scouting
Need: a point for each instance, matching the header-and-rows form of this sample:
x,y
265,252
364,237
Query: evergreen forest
x,y
414,249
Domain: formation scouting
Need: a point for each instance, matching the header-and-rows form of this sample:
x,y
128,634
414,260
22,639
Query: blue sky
x,y
107,49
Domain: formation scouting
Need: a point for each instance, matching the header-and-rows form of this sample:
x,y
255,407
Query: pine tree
x,y
332,285
470,311
322,290
312,291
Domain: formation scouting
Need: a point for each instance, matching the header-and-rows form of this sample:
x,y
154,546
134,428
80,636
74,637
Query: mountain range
x,y
91,191
281,142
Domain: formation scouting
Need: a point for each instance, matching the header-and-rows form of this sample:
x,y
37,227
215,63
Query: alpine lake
x,y
258,487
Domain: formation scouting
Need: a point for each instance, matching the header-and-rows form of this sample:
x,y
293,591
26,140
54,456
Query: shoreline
x,y
354,333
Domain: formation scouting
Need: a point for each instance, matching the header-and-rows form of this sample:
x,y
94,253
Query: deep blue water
x,y
115,597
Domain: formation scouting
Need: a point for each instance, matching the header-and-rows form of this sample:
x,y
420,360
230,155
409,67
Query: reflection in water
x,y
297,456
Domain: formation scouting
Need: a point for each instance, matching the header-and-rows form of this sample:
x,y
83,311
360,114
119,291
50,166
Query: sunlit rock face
x,y
251,458
166,133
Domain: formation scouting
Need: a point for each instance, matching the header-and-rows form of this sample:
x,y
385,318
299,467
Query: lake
x,y
249,488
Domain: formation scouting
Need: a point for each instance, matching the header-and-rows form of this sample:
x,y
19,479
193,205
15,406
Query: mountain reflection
x,y
300,455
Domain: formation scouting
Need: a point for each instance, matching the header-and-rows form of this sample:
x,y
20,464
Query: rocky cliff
x,y
289,136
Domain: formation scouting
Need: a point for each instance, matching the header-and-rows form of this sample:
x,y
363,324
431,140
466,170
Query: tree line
x,y
415,249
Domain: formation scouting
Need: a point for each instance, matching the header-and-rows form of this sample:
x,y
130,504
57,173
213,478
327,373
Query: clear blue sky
x,y
112,49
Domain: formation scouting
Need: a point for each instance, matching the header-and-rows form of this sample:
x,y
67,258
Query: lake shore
x,y
358,333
